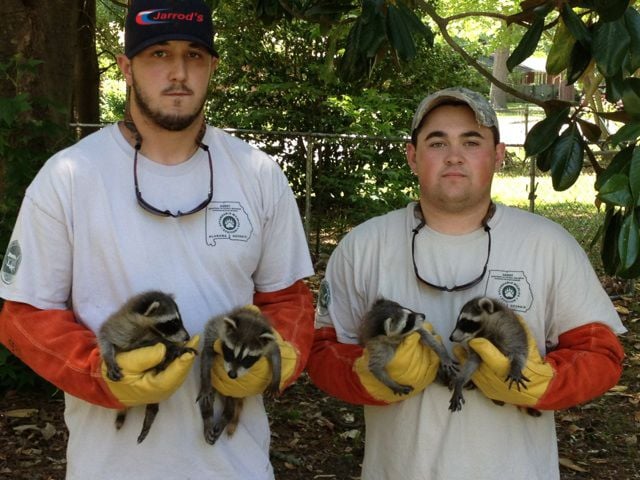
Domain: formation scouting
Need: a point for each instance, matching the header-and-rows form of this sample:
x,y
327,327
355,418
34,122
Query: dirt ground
x,y
317,437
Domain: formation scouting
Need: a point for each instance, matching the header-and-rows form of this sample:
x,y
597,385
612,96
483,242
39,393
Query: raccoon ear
x,y
486,304
230,322
267,337
152,306
389,327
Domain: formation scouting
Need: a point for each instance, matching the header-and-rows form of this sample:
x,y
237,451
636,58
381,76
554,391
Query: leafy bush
x,y
26,140
15,375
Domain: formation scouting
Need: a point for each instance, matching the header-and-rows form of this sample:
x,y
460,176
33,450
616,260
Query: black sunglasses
x,y
464,286
167,213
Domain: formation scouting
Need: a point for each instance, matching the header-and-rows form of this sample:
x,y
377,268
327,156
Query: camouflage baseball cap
x,y
485,115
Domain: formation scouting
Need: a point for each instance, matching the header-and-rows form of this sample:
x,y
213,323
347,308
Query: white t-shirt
x,y
85,244
535,267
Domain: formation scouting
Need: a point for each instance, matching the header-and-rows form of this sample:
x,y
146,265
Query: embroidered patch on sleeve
x,y
10,263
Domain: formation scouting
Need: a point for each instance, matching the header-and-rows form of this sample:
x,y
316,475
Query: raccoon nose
x,y
232,374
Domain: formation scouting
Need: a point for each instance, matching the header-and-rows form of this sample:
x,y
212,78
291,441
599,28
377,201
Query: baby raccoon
x,y
144,320
484,317
384,327
246,336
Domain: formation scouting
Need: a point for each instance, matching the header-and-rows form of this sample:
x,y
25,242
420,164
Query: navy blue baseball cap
x,y
154,21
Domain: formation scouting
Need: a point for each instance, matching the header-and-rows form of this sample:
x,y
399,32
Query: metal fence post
x,y
308,180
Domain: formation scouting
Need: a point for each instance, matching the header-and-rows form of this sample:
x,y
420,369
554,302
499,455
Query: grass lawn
x,y
574,208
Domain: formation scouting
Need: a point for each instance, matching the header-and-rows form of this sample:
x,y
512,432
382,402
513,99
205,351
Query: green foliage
x,y
15,375
112,101
605,35
381,25
273,79
527,44
26,135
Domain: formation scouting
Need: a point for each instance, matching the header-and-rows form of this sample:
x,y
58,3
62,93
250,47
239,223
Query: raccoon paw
x,y
120,418
184,350
447,372
272,391
114,372
205,398
402,389
455,404
143,434
211,431
519,379
534,412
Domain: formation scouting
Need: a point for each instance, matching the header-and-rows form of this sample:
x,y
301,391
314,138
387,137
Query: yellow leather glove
x,y
258,377
491,375
140,384
414,364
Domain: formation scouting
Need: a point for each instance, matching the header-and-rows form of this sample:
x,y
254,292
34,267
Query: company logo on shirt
x,y
324,298
163,15
512,288
10,263
227,221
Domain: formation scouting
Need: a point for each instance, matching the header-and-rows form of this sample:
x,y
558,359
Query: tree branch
x,y
442,23
499,16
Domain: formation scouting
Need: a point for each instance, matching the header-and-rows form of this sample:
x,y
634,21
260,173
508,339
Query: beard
x,y
172,122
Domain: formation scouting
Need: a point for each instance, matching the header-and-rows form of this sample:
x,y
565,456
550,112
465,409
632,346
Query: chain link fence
x,y
384,178
340,180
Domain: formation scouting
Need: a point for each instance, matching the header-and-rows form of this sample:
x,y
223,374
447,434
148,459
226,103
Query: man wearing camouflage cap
x,y
452,245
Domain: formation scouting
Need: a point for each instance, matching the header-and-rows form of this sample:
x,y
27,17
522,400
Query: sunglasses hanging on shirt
x,y
146,205
464,286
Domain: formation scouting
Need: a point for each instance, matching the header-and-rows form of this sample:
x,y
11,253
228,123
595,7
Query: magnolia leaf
x,y
575,25
591,131
560,51
400,34
629,242
619,164
610,45
373,31
543,160
578,63
627,133
567,156
530,9
21,412
609,250
545,132
527,44
631,96
634,175
615,191
615,87
610,10
632,21
568,463
618,116
415,24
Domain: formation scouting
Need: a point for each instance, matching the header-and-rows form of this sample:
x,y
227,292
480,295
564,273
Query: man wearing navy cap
x,y
158,201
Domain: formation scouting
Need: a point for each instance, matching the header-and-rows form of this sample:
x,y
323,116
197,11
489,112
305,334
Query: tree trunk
x,y
45,31
86,96
497,96
37,53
